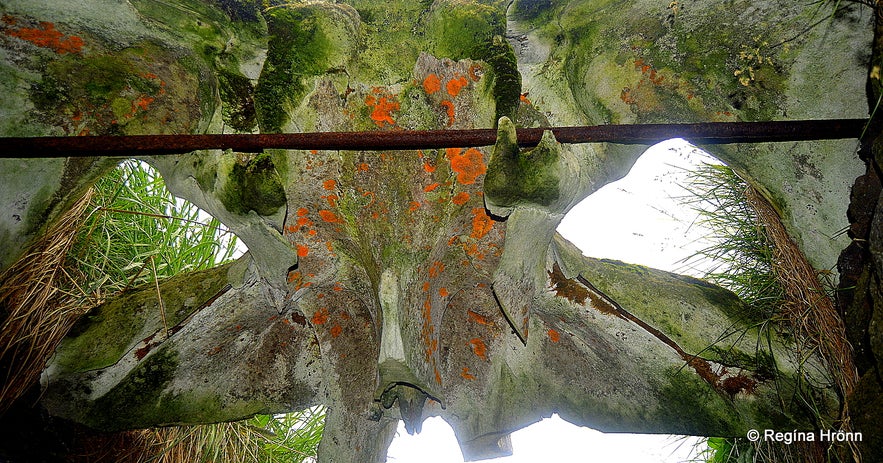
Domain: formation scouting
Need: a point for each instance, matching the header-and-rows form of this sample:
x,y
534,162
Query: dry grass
x,y
244,441
223,442
809,310
37,305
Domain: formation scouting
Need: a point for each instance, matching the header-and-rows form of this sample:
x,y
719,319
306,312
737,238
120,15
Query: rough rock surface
x,y
403,284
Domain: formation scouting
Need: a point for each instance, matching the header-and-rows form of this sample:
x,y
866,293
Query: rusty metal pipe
x,y
708,133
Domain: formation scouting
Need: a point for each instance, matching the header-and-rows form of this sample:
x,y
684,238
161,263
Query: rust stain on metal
x,y
641,134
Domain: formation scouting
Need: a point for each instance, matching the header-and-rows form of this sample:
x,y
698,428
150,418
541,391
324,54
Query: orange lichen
x,y
46,36
332,200
443,292
429,168
655,78
383,108
302,222
294,277
454,86
475,72
481,223
524,99
373,198
739,383
335,331
431,84
143,102
302,212
302,250
460,198
329,216
363,167
466,375
553,335
479,348
566,287
329,184
626,96
436,268
468,165
431,187
479,318
320,317
449,109
414,206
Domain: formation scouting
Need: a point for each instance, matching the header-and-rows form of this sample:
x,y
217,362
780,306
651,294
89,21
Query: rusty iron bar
x,y
708,133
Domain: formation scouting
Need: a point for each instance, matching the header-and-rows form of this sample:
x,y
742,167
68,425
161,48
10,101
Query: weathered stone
x,y
377,279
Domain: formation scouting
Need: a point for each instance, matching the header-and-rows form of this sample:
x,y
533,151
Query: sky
x,y
645,225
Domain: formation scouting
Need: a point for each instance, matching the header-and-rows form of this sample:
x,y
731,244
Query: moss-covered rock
x,y
237,94
253,184
474,30
340,240
112,330
518,176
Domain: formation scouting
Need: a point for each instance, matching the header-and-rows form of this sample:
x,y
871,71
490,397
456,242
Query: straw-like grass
x,y
753,255
809,310
37,306
290,438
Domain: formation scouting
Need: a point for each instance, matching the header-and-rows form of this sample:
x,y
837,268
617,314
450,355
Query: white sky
x,y
642,224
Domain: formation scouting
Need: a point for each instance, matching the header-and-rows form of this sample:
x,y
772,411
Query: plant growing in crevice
x,y
752,254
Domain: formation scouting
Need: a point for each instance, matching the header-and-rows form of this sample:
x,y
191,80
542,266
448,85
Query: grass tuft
x,y
753,255
38,306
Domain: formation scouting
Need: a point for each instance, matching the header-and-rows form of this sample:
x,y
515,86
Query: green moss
x,y
761,362
534,11
144,88
298,48
682,390
506,78
516,176
83,82
199,25
237,94
207,406
476,31
240,10
107,333
253,184
143,399
135,402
